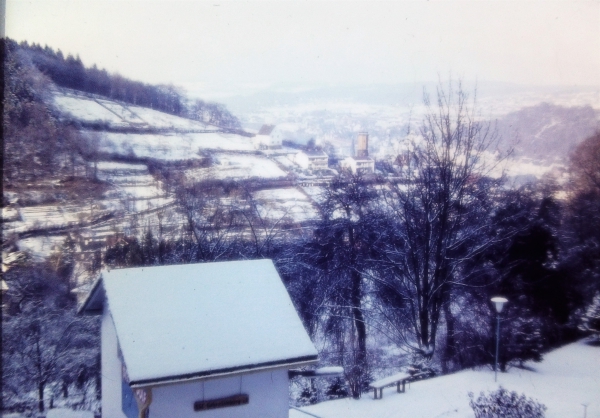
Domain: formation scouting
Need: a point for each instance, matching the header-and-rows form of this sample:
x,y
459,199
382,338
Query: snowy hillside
x,y
547,131
131,199
565,381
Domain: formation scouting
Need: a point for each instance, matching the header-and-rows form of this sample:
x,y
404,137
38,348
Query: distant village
x,y
313,158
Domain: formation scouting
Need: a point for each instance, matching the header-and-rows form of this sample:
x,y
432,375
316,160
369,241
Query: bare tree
x,y
90,149
264,223
44,342
211,222
439,214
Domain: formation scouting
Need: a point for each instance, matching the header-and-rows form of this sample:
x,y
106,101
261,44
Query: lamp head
x,y
499,302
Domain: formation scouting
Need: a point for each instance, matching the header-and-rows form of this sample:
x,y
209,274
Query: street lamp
x,y
499,303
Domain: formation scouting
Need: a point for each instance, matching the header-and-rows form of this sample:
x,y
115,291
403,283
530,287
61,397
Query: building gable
x,y
191,321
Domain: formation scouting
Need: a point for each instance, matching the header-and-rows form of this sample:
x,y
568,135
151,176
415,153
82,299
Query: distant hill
x,y
71,73
547,131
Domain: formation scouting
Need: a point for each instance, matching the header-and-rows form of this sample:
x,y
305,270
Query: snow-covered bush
x,y
308,396
523,340
421,365
505,404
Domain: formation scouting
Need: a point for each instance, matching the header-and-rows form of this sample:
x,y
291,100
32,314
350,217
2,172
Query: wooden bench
x,y
398,379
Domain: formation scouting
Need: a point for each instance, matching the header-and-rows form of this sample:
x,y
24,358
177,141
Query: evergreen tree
x,y
590,320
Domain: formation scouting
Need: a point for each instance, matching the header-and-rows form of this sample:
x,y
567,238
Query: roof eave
x,y
211,374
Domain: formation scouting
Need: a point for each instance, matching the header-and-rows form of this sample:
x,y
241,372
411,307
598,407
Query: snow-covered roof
x,y
266,129
362,158
190,321
315,153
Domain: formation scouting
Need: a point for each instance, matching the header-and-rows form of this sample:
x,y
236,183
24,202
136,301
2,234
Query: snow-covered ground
x,y
117,167
314,192
565,381
173,146
41,247
286,204
286,160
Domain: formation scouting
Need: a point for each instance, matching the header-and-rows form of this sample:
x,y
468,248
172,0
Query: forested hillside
x,y
70,73
548,132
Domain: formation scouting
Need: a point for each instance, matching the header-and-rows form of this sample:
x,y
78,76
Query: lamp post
x,y
499,303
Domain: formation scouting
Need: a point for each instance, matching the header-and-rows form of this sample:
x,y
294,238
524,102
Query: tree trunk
x,y
41,397
450,349
361,334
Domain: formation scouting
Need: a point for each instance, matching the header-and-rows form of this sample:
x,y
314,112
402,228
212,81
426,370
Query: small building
x,y
265,138
312,160
214,337
360,163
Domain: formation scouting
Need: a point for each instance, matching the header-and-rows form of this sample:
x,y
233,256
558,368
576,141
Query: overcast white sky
x,y
256,43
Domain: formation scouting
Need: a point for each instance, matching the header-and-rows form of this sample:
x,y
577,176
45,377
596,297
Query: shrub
x,y
337,389
308,396
502,403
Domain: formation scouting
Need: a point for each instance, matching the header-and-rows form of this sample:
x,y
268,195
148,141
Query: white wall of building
x,y
311,162
111,369
358,165
268,393
302,160
266,142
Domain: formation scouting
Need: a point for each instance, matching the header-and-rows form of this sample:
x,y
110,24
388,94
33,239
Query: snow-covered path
x,y
567,378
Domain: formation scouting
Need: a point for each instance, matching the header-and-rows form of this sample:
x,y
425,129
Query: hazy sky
x,y
256,43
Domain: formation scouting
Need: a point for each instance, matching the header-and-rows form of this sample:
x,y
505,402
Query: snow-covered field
x,y
52,216
238,166
174,146
565,381
88,108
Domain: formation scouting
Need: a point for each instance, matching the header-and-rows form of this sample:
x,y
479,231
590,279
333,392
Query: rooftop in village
x,y
266,130
315,153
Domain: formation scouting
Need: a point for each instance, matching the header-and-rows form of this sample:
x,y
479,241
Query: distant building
x,y
312,160
265,139
362,145
215,337
361,163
